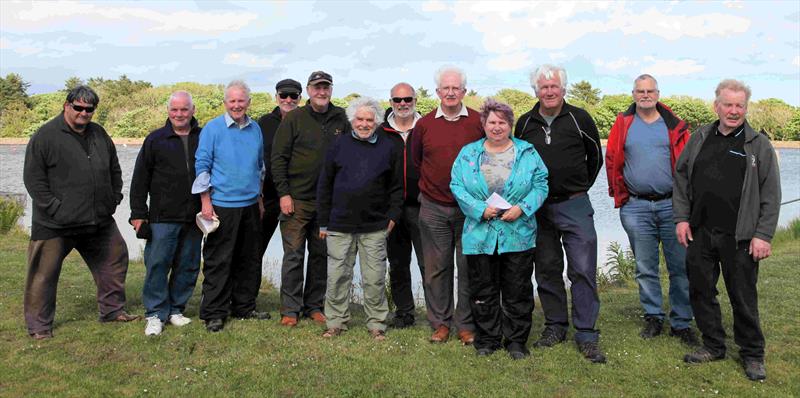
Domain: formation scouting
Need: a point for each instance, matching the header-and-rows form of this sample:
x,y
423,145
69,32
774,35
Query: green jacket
x,y
761,190
299,147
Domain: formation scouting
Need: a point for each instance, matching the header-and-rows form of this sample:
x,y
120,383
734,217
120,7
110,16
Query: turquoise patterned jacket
x,y
526,187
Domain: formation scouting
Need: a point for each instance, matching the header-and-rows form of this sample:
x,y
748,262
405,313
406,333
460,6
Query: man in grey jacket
x,y
726,200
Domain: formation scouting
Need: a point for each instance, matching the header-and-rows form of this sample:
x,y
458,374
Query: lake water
x,y
606,217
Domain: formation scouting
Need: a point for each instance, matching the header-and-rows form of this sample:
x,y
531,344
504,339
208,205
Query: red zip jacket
x,y
615,148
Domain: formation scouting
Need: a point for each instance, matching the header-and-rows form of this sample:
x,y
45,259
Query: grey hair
x,y
403,84
733,85
364,102
180,94
645,76
548,71
84,94
240,84
437,77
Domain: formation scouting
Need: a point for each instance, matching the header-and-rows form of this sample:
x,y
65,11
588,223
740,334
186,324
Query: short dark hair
x,y
84,94
501,109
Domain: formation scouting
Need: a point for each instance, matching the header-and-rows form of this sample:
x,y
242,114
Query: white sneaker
x,y
154,326
179,320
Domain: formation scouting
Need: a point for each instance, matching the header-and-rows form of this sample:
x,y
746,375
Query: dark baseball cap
x,y
319,77
289,86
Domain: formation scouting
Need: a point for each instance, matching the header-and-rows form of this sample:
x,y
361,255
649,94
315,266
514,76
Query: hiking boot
x,y
550,337
754,369
260,316
441,335
591,351
517,355
402,321
215,325
652,327
702,355
484,352
686,335
154,326
466,337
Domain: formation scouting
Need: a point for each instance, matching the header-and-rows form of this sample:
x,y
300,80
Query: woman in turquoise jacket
x,y
499,233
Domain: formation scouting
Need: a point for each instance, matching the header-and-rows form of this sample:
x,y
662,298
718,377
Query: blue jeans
x,y
647,223
175,247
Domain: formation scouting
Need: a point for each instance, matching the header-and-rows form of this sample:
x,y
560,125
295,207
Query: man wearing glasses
x,y
298,151
437,139
287,94
566,138
398,127
73,176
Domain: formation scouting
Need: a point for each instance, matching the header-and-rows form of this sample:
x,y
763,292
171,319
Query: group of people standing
x,y
455,185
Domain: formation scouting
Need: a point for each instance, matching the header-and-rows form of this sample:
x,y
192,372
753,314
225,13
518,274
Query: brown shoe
x,y
288,321
47,334
466,337
332,332
318,317
377,335
441,335
125,317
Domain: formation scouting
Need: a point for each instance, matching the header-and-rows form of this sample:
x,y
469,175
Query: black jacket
x,y
410,171
163,172
269,125
574,155
70,187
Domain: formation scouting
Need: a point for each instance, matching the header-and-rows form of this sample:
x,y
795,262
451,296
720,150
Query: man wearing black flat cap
x,y
298,150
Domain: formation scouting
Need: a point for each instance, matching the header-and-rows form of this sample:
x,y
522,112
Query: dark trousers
x,y
398,247
297,230
501,297
570,223
106,255
710,252
269,223
232,264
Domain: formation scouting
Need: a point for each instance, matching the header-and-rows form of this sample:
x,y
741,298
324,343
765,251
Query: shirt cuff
x,y
202,183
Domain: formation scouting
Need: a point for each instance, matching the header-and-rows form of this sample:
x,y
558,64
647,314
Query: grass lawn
x,y
261,358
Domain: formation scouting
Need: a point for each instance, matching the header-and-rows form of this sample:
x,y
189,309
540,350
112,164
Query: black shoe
x,y
550,337
686,335
517,355
402,321
702,355
591,351
484,352
754,369
215,325
261,316
652,327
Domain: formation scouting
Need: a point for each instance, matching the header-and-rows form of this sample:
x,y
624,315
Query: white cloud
x,y
58,48
247,60
433,6
616,64
673,67
734,4
211,45
513,61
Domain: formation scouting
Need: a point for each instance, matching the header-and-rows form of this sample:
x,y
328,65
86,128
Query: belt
x,y
652,197
559,199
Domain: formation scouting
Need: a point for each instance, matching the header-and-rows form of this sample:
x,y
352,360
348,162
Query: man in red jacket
x,y
643,146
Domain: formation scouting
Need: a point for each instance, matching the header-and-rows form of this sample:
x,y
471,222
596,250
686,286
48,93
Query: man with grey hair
x,y
73,176
359,196
727,196
567,140
398,128
228,164
644,143
298,150
164,170
437,139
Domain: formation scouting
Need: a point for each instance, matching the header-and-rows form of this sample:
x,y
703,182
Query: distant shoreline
x,y
138,141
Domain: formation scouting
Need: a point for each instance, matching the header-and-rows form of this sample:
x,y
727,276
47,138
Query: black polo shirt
x,y
717,180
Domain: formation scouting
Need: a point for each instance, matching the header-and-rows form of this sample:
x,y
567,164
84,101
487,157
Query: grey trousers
x,y
440,228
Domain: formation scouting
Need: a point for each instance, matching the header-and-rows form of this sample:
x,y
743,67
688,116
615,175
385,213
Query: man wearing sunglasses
x,y
400,121
288,93
73,176
298,151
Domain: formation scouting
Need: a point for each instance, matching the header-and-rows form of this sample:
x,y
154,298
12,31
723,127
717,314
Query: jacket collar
x,y
194,127
663,110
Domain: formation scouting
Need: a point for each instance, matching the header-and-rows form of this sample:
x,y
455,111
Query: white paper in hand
x,y
497,201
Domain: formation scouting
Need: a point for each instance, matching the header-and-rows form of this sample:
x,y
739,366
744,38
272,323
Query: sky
x,y
369,46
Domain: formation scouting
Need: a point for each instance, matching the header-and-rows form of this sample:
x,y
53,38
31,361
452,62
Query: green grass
x,y
252,358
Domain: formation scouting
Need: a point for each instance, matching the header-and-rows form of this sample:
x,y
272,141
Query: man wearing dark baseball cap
x,y
298,150
287,95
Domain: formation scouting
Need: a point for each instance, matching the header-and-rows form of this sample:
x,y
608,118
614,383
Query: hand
x,y
137,224
323,234
759,249
684,232
287,205
511,214
390,228
261,210
490,213
208,211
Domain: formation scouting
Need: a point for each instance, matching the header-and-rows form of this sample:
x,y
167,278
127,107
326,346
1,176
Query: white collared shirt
x,y
440,113
404,134
230,122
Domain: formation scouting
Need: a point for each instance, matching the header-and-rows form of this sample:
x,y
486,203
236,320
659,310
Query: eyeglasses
x,y
79,109
447,90
293,96
398,100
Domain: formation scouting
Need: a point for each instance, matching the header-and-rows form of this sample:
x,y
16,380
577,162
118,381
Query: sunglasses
x,y
398,100
79,109
293,96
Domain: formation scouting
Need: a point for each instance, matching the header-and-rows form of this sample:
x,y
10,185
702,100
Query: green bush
x,y
10,212
620,267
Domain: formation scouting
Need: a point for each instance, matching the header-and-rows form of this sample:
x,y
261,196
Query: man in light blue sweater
x,y
229,163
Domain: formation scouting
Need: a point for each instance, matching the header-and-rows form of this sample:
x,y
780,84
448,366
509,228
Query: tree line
x,y
131,108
